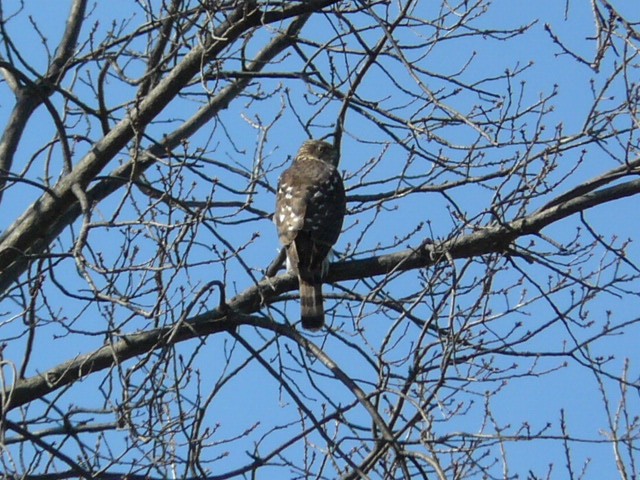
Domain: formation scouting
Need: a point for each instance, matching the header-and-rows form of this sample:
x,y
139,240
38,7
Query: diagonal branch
x,y
32,94
31,234
239,309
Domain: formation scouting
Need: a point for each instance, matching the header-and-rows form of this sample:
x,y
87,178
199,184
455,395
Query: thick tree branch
x,y
31,234
31,95
239,309
474,265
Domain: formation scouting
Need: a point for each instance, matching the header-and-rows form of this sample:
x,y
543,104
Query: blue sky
x,y
537,400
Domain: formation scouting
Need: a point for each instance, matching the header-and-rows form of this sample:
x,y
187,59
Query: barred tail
x,y
311,309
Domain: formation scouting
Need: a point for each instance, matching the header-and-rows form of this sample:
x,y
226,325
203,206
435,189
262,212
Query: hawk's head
x,y
321,150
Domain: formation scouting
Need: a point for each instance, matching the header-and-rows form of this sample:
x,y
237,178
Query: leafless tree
x,y
482,315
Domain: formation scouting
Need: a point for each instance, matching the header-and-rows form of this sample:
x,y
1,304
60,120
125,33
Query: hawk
x,y
310,207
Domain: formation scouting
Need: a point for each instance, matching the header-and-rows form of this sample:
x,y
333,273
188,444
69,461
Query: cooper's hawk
x,y
310,207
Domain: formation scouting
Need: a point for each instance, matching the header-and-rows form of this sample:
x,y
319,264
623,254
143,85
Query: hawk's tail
x,y
311,308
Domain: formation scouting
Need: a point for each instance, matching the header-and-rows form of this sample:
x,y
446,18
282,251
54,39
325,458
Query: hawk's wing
x,y
310,207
